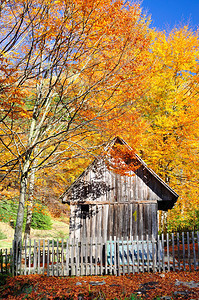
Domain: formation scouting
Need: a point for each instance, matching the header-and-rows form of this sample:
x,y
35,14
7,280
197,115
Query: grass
x,y
3,236
60,230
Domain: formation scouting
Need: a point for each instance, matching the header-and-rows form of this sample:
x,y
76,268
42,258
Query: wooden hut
x,y
106,204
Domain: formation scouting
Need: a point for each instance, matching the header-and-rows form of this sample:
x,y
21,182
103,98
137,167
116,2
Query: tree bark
x,y
20,216
30,203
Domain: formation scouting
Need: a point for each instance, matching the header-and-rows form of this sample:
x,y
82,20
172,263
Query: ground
x,y
164,286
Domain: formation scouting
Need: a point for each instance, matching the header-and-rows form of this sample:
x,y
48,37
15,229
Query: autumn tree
x,y
66,67
170,108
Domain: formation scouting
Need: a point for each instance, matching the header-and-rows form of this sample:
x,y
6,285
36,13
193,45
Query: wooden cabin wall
x,y
102,185
121,220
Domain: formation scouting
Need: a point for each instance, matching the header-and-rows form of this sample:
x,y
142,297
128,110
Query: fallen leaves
x,y
147,285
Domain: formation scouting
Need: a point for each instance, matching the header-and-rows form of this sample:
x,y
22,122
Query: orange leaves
x,y
121,160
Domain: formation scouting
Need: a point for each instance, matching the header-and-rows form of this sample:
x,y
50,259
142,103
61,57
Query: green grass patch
x,y
2,235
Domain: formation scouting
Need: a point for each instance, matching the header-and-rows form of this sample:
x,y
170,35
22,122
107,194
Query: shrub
x,y
8,210
41,219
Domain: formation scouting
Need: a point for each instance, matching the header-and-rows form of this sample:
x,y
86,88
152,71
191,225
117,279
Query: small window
x,y
85,208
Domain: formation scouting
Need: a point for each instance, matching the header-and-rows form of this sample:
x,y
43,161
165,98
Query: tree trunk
x,y
22,198
20,216
30,201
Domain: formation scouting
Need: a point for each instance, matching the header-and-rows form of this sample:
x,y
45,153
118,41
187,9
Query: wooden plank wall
x,y
99,184
117,219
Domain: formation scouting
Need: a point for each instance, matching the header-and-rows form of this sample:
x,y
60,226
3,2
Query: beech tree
x,y
170,143
66,67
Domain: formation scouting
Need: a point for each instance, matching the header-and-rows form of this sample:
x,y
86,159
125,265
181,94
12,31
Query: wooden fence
x,y
94,257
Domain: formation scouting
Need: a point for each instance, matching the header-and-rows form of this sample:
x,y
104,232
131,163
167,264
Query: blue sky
x,y
166,14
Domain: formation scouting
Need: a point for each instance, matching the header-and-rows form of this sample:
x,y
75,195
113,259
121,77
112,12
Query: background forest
x,y
73,75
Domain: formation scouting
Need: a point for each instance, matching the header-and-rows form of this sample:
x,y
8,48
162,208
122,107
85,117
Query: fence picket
x,y
153,254
147,244
44,256
67,258
128,264
142,254
115,256
48,258
158,252
39,256
194,251
133,258
188,248
173,251
138,259
168,256
25,258
183,250
122,256
198,246
178,245
94,256
163,260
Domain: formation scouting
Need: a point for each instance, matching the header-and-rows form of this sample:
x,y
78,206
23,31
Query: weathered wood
x,y
168,256
158,252
25,253
173,251
188,248
183,250
39,256
113,199
142,254
62,257
116,256
194,250
48,258
198,245
163,254
178,245
147,240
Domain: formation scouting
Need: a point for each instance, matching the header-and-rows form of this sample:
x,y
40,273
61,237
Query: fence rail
x,y
96,257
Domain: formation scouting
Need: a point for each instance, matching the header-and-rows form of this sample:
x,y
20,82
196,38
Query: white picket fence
x,y
96,257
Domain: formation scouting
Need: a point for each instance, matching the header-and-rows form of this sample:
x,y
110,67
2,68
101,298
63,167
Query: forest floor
x,y
60,230
164,286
